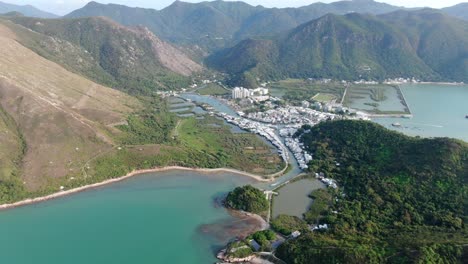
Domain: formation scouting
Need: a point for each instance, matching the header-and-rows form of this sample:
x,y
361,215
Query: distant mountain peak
x,y
27,10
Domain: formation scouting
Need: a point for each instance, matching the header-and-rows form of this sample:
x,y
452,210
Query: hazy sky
x,y
64,6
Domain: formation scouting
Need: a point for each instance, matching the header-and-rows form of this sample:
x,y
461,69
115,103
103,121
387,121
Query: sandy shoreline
x,y
130,175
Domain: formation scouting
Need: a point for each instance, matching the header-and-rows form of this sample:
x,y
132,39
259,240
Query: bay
x,y
168,217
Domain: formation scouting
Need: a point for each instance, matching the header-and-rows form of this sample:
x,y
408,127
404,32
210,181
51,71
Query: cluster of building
x,y
296,147
291,115
165,94
259,93
401,80
260,129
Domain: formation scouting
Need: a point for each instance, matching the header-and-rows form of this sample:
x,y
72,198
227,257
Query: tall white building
x,y
241,92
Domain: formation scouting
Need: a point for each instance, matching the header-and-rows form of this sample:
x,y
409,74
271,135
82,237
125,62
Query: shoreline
x,y
132,174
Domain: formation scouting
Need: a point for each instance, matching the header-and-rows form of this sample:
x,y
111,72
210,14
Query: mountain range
x,y
425,44
217,24
26,10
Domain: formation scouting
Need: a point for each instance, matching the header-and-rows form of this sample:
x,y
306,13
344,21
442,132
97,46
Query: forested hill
x,y
214,24
131,59
425,44
401,199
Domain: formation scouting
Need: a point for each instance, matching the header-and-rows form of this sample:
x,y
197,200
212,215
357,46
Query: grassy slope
x,y
64,119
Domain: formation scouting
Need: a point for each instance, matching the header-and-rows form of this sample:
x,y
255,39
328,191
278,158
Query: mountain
x,y
441,41
217,24
425,44
460,11
130,59
26,10
52,121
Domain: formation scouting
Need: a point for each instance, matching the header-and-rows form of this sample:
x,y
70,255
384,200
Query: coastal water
x,y
438,111
170,217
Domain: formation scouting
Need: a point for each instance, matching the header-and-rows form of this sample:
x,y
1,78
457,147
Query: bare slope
x,y
65,119
130,59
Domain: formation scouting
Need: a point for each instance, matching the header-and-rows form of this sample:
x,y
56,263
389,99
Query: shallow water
x,y
170,217
391,103
293,199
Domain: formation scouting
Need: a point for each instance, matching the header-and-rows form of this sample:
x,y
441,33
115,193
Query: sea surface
x,y
438,111
168,217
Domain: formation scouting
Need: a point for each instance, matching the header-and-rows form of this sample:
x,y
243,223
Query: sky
x,y
62,7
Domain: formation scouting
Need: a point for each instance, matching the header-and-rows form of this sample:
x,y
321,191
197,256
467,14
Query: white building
x,y
241,92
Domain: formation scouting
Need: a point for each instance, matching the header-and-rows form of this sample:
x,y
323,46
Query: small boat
x,y
466,116
396,124
274,184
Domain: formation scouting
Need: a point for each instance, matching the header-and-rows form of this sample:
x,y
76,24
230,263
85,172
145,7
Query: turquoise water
x,y
146,219
438,111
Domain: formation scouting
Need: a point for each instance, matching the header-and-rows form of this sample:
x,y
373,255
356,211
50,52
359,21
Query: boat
x,y
466,116
396,124
274,184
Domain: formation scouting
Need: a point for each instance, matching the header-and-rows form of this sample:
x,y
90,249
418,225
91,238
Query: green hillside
x,y
400,199
439,40
356,46
133,60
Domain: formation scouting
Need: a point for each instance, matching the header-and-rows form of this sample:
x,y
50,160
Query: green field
x,y
244,151
323,97
213,89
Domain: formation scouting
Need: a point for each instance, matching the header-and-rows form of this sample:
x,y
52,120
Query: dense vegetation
x,y
248,199
105,52
403,199
425,44
12,146
152,125
286,224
